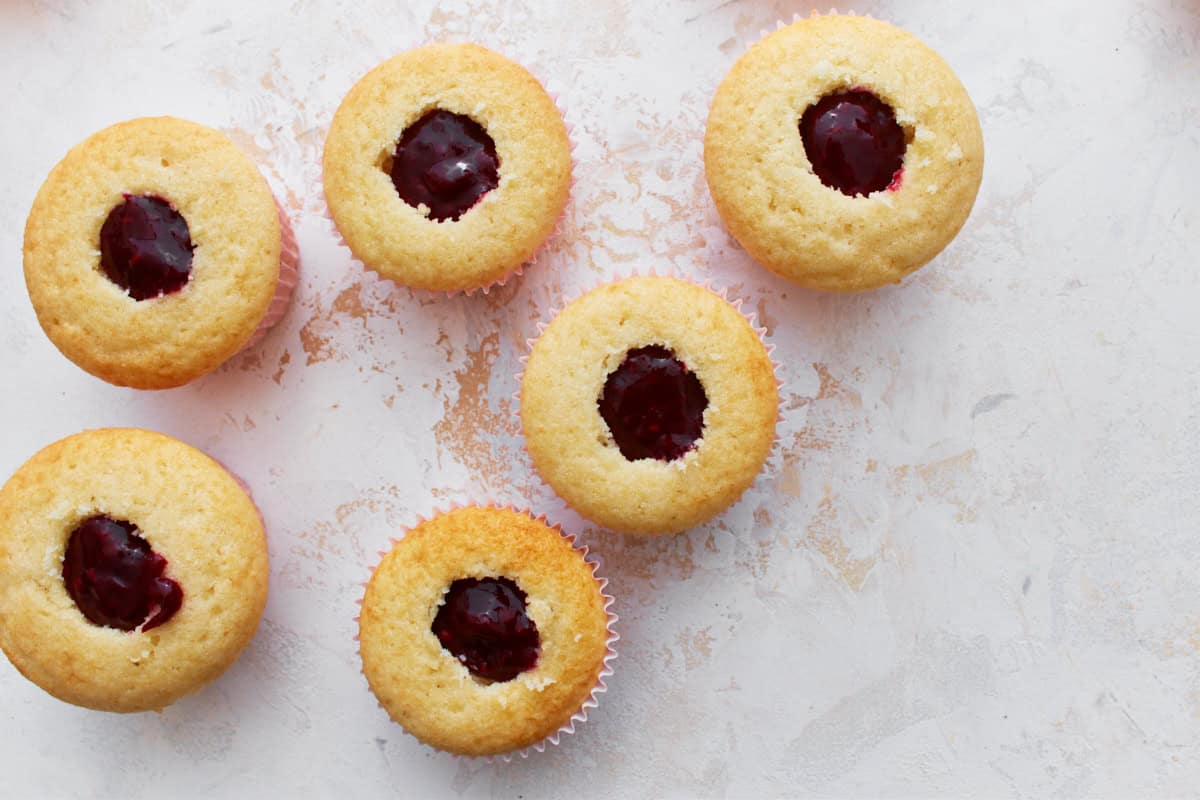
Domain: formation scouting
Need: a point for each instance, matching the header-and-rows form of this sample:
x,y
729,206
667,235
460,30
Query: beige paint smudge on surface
x,y
471,424
643,563
762,516
285,358
323,336
824,532
944,480
376,515
833,411
849,525
758,563
695,646
378,500
761,544
830,465
317,334
317,347
834,389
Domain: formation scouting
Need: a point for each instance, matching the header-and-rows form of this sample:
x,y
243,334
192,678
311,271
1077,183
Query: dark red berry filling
x,y
145,247
854,143
116,579
654,405
484,625
446,162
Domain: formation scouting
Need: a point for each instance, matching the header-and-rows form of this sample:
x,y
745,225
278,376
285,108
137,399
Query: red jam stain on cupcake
x,y
854,143
446,162
115,577
146,247
653,405
484,625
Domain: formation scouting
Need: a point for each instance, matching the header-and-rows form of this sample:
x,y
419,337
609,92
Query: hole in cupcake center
x,y
482,623
653,405
145,247
115,577
445,162
854,143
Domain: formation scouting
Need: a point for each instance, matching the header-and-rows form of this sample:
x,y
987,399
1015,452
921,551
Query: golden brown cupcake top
x,y
159,498
649,405
800,152
459,687
181,170
423,123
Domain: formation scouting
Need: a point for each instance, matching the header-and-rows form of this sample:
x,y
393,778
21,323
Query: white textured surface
x,y
972,566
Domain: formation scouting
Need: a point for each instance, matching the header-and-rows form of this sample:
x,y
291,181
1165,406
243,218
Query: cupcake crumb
x,y
539,684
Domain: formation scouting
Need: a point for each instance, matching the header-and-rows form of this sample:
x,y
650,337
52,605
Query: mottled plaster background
x,y
971,566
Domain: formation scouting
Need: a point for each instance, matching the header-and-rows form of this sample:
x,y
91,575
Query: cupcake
x,y
155,251
842,153
649,405
447,168
484,631
133,569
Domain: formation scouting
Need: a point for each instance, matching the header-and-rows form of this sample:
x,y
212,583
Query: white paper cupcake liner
x,y
289,276
610,655
245,488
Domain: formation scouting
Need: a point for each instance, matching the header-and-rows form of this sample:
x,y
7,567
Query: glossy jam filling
x,y
854,143
116,579
145,247
653,405
483,624
445,162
